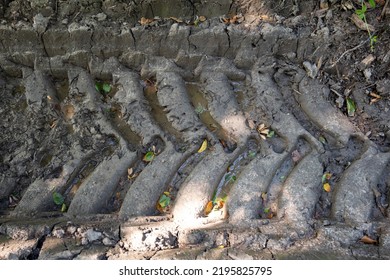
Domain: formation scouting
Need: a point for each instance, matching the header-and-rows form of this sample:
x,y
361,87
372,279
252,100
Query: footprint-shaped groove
x,y
354,197
301,191
96,190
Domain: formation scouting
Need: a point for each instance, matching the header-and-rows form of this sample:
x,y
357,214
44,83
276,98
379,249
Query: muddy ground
x,y
194,130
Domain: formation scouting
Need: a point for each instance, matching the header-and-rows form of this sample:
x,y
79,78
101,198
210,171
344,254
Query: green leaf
x,y
271,134
164,201
58,198
98,86
252,154
266,210
63,207
149,156
372,3
106,88
364,8
351,107
223,199
322,139
230,178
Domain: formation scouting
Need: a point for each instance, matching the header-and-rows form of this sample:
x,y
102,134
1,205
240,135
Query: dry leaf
x,y
209,208
159,208
367,240
202,18
264,196
263,131
327,187
145,21
220,204
374,100
178,20
203,147
361,24
270,215
324,4
296,156
373,94
251,124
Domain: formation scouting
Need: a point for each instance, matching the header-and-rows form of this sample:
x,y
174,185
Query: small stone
x,y
367,73
84,241
40,23
311,69
58,232
108,242
101,16
92,235
71,230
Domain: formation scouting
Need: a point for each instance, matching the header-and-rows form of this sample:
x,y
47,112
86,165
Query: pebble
x,y
108,242
311,69
101,16
92,235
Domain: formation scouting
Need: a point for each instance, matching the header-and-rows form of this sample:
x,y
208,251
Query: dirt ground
x,y
197,129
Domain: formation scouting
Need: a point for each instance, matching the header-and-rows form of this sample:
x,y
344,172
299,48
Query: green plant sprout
x,y
361,13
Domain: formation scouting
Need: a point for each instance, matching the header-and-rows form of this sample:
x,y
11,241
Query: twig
x,y
384,9
348,51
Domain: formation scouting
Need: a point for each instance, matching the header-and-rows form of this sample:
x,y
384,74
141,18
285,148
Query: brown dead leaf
x,y
367,240
178,20
296,156
361,24
380,2
373,94
324,4
270,215
209,208
159,208
220,204
236,19
145,21
202,18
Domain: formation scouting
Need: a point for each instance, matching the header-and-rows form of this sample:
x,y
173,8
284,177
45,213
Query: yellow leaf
x,y
327,187
203,147
209,208
202,18
159,208
367,240
166,193
220,247
220,204
264,196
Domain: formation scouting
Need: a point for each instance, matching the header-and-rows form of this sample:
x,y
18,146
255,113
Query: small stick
x,y
348,51
384,9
